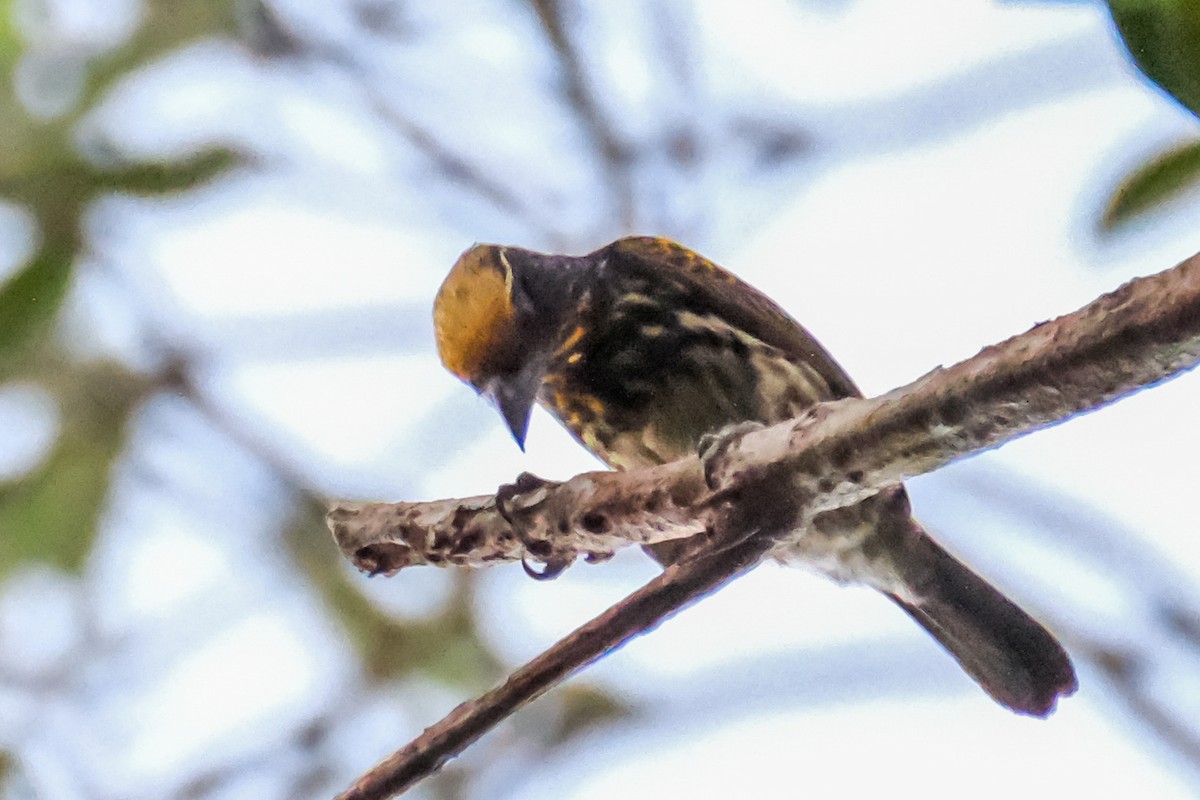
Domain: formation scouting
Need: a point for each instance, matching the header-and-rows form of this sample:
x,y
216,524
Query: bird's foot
x,y
508,500
713,446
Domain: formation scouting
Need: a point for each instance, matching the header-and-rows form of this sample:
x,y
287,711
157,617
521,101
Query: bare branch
x,y
768,484
557,520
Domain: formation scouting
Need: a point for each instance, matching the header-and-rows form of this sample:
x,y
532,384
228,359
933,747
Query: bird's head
x,y
492,332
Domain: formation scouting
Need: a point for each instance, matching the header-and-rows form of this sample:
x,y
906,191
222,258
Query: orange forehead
x,y
473,314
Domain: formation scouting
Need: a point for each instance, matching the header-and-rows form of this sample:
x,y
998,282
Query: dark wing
x,y
662,262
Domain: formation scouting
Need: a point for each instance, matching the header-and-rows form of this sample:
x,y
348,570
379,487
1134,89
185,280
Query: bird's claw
x,y
713,445
525,482
550,569
538,548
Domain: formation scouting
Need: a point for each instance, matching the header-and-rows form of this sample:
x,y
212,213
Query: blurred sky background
x,y
222,225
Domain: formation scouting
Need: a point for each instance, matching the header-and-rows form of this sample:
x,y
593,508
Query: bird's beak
x,y
513,396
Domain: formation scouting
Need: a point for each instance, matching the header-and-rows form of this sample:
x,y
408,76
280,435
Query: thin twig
x,y
613,153
274,36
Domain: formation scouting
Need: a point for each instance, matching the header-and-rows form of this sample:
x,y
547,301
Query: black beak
x,y
513,397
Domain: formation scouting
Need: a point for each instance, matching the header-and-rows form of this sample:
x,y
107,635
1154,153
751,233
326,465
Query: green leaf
x,y
586,708
50,515
1163,37
1151,185
166,26
10,42
30,300
169,177
446,646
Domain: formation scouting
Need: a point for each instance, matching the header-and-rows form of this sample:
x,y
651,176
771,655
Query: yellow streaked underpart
x,y
572,340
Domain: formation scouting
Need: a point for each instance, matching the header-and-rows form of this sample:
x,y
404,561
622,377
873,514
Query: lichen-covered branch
x,y
593,515
752,490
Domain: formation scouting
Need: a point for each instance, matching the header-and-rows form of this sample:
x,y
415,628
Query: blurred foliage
x,y
8,767
10,42
585,708
1163,38
171,177
29,301
50,515
1147,188
445,646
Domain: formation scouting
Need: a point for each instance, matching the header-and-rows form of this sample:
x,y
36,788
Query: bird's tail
x,y
1008,653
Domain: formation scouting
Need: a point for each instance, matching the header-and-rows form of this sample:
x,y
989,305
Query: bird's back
x,y
668,347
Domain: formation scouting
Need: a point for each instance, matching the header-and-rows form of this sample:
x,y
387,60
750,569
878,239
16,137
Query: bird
x,y
643,348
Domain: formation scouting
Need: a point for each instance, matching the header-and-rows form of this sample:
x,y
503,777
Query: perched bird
x,y
644,347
